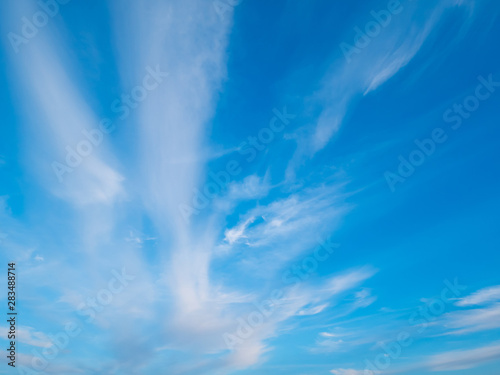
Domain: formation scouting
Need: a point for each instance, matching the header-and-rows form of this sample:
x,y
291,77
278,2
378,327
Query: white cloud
x,y
327,334
313,310
193,308
29,336
464,359
377,63
56,112
481,297
252,187
349,280
342,371
475,320
234,234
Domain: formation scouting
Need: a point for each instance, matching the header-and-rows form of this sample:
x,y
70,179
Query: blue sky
x,y
249,187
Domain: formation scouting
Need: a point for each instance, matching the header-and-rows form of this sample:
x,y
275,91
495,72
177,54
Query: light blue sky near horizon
x,y
204,266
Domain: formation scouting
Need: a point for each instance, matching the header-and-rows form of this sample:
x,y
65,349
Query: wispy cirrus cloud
x,y
56,113
195,281
481,297
342,371
474,320
464,359
384,56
